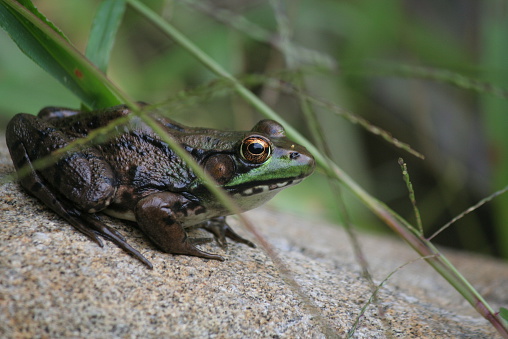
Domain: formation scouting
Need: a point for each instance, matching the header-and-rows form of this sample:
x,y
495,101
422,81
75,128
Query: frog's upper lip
x,y
265,186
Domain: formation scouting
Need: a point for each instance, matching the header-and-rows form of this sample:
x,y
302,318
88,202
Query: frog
x,y
135,176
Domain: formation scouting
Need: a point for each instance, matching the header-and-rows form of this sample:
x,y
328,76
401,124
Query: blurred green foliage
x,y
385,55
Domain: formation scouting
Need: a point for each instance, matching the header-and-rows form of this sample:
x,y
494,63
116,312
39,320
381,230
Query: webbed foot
x,y
221,230
98,227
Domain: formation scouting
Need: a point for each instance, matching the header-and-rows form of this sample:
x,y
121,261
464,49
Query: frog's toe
x,y
188,248
79,225
221,230
94,223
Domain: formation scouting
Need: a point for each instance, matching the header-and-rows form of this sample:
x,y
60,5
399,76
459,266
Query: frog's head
x,y
262,163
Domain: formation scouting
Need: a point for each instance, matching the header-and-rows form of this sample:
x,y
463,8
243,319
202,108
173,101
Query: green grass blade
x,y
50,50
31,7
102,35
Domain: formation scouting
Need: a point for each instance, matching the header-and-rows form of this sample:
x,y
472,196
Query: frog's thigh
x,y
158,216
82,177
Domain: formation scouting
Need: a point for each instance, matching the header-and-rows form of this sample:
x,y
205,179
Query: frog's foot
x,y
221,230
93,222
91,226
188,248
88,224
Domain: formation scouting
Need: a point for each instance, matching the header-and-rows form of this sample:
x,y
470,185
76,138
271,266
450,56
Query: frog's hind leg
x,y
83,177
55,186
88,224
34,184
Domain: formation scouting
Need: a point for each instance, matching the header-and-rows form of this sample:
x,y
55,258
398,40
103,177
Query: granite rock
x,y
57,283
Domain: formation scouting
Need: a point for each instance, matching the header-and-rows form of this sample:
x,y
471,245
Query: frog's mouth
x,y
265,187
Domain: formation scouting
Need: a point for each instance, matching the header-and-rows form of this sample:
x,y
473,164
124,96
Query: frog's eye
x,y
256,149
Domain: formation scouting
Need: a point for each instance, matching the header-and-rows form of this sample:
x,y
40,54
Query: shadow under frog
x,y
136,176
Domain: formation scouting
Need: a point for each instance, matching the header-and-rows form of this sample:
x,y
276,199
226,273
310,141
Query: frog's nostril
x,y
294,155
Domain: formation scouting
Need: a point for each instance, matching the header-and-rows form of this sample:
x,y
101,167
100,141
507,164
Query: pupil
x,y
256,148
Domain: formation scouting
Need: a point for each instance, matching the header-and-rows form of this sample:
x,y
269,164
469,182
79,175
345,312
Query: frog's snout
x,y
303,160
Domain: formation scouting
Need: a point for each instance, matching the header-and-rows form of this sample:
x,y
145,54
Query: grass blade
x,y
53,52
31,7
102,35
412,197
469,210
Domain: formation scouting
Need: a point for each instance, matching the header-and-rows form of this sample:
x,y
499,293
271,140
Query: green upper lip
x,y
263,183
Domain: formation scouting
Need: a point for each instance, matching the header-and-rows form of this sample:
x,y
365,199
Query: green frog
x,y
134,175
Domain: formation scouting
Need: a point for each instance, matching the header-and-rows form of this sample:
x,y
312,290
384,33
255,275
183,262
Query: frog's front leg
x,y
159,216
221,230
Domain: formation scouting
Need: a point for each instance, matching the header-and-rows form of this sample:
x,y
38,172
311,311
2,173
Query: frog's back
x,y
139,159
144,161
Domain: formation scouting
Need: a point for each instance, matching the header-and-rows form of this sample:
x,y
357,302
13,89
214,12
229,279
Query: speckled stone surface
x,y
54,282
